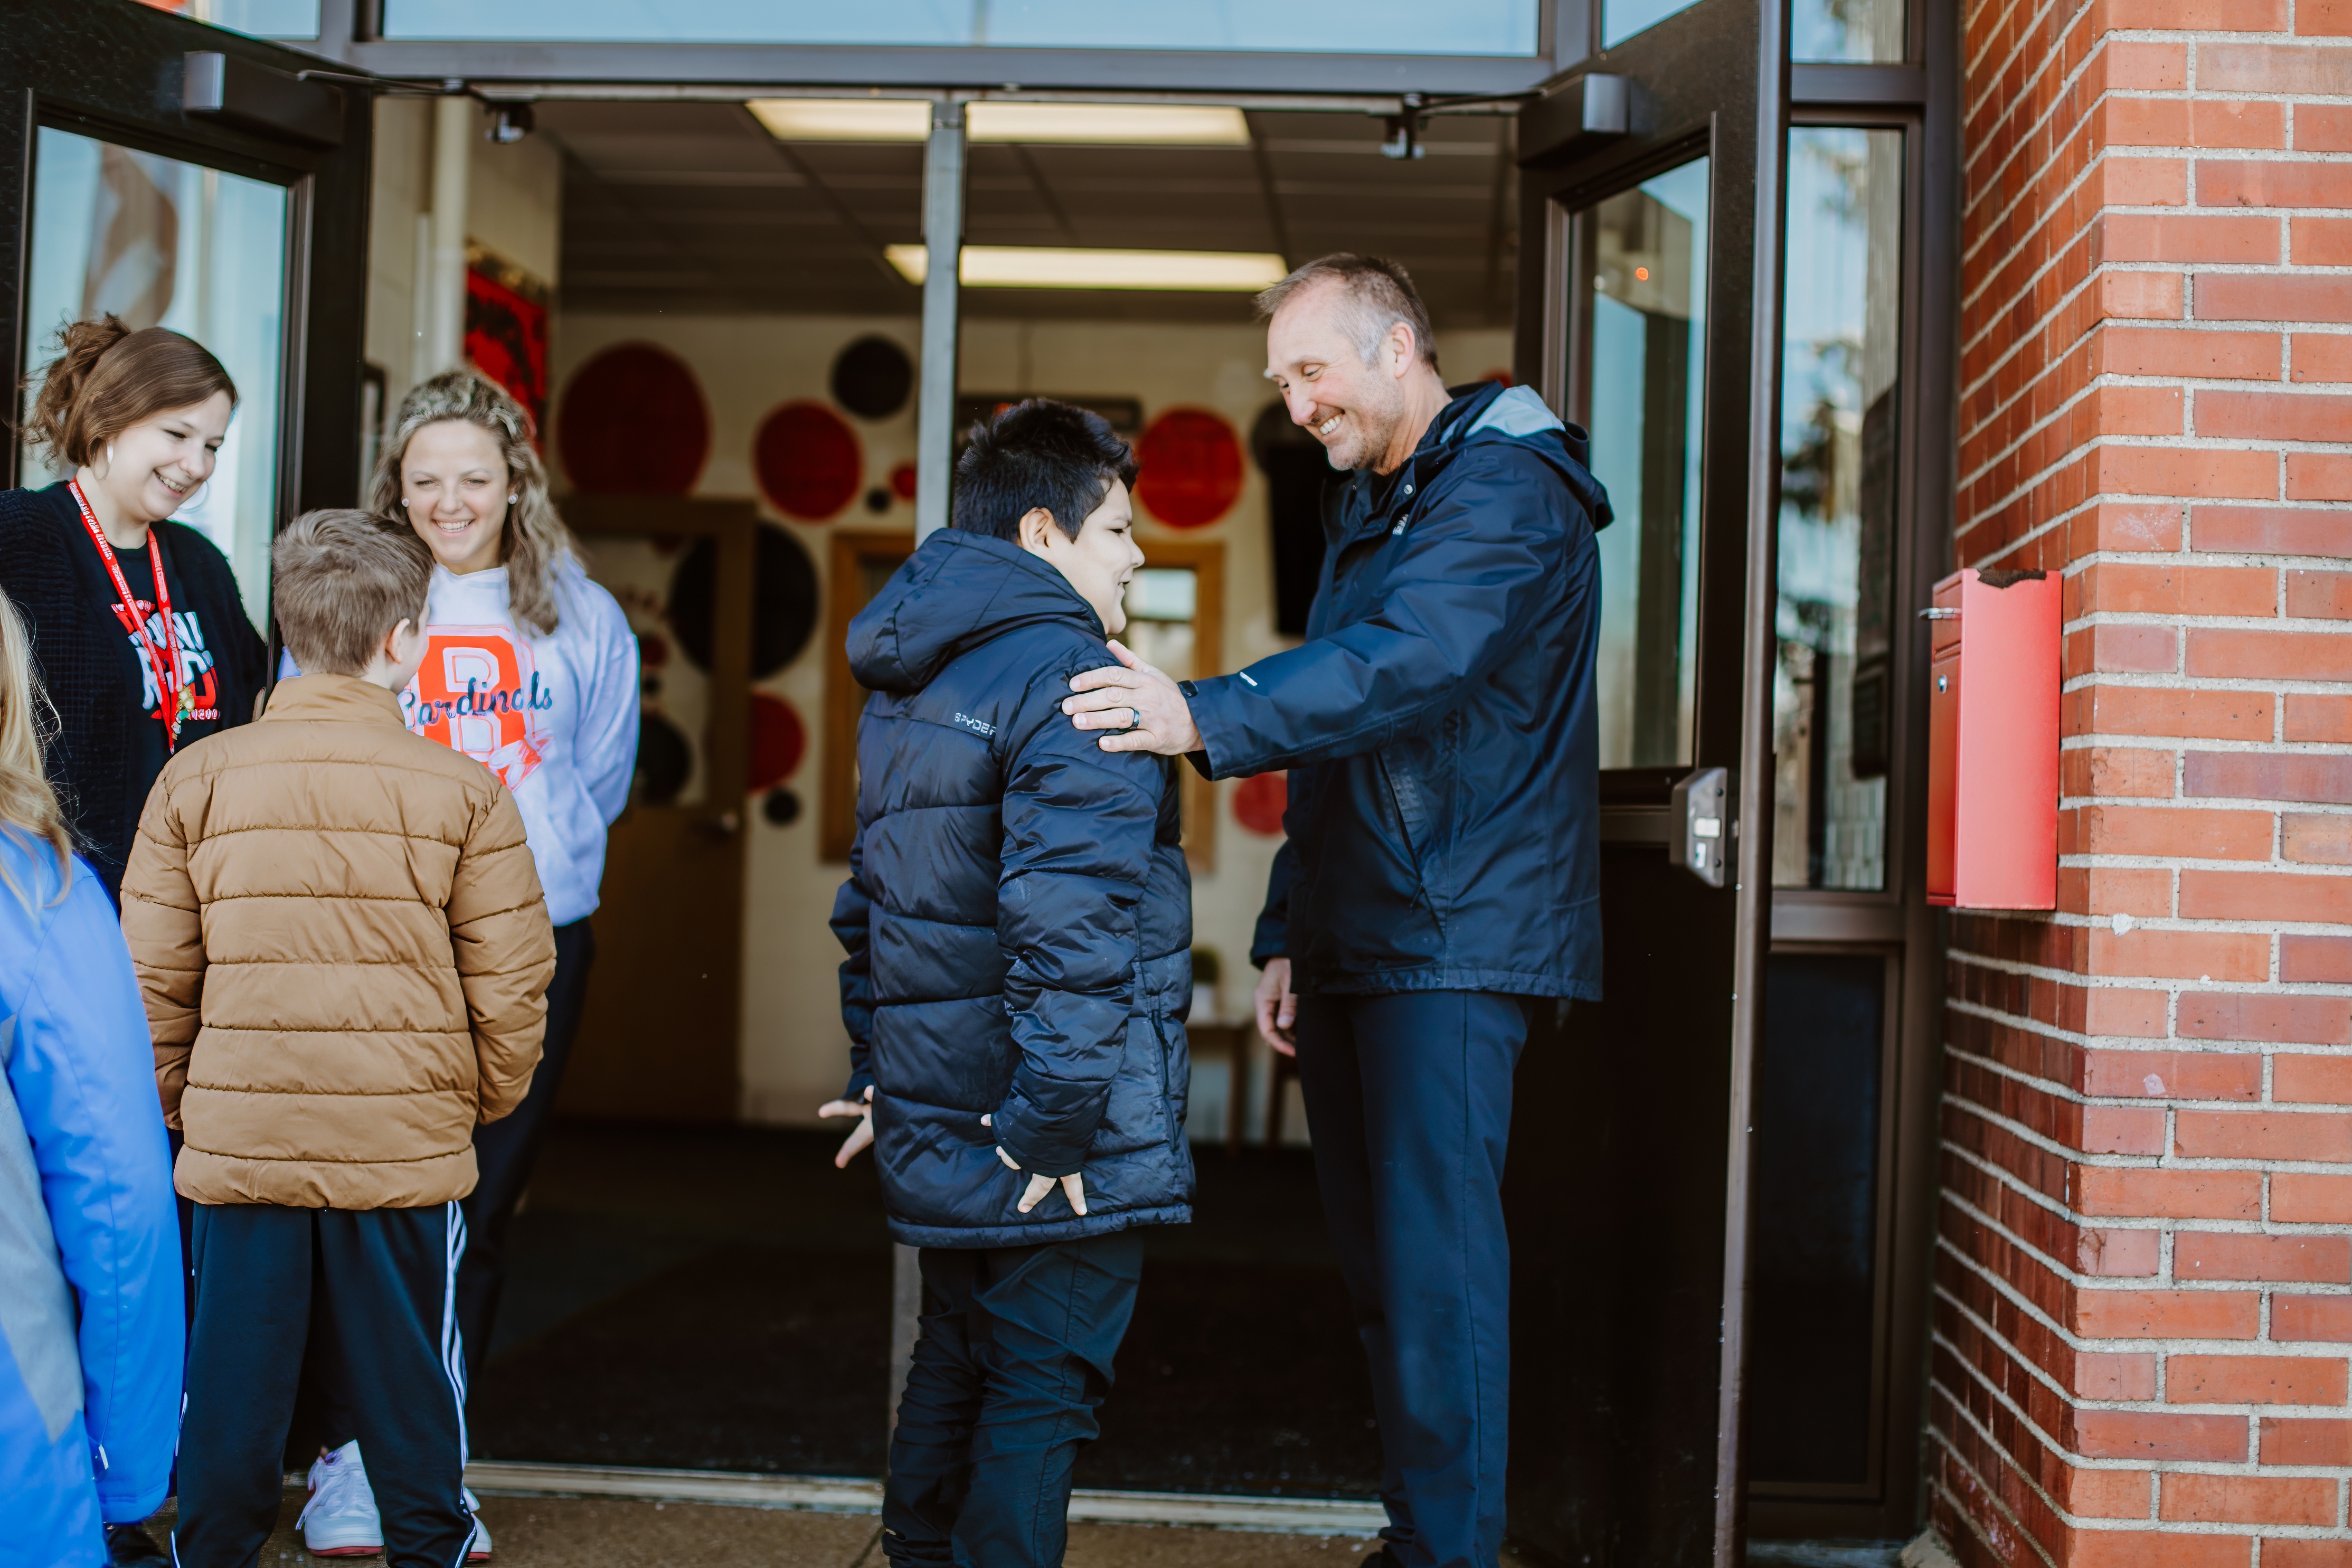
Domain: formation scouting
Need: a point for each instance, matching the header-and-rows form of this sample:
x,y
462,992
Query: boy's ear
x,y
1036,524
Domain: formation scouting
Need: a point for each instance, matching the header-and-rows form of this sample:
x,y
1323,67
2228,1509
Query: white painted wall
x,y
514,207
794,1054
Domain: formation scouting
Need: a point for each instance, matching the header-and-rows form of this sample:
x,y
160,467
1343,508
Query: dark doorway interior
x,y
699,1297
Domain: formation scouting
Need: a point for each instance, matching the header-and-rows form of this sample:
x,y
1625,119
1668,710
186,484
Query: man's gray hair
x,y
1375,294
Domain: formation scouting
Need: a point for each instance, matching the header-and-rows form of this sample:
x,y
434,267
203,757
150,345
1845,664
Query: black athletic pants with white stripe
x,y
374,1289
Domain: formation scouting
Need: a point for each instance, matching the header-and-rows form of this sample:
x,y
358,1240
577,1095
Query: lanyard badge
x,y
173,699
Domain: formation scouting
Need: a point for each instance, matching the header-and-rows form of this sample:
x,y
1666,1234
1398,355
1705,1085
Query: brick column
x,y
2144,1283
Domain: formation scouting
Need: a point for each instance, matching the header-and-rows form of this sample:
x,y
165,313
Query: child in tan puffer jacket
x,y
346,954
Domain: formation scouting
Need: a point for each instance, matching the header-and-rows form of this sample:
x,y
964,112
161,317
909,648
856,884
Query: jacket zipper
x,y
1167,1092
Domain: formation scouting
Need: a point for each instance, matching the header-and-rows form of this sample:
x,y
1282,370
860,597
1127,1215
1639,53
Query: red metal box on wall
x,y
1992,742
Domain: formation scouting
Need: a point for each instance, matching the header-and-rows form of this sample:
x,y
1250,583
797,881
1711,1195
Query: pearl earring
x,y
511,500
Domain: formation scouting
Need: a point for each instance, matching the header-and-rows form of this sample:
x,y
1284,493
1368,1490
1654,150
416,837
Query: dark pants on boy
x,y
1013,1357
1409,1104
373,1289
506,1150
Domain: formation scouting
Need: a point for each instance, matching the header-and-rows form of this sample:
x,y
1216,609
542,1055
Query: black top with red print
x,y
111,741
148,749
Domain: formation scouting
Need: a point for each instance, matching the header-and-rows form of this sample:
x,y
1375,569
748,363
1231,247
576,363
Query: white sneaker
x,y
477,1550
340,1519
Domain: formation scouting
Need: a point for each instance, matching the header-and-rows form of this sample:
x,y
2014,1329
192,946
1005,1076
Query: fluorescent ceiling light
x,y
1111,124
843,119
1068,124
1027,267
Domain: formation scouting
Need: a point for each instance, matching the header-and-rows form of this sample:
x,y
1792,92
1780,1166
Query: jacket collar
x,y
337,698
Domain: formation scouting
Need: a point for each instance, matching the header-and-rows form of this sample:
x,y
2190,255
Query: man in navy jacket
x,y
1440,885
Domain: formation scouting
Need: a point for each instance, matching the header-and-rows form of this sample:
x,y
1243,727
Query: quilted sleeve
x,y
162,924
1078,828
505,949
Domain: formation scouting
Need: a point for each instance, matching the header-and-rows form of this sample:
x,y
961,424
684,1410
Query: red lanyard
x,y
172,700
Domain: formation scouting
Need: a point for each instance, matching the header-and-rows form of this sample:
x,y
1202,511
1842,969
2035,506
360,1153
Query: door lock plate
x,y
1702,825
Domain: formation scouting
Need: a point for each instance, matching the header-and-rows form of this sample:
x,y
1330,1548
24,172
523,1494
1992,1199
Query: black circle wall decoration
x,y
872,378
783,601
782,808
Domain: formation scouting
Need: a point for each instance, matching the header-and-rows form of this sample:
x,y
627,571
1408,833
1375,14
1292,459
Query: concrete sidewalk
x,y
612,1532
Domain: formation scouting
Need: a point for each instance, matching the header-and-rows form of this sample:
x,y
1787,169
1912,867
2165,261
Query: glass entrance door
x,y
241,222
1626,1188
160,241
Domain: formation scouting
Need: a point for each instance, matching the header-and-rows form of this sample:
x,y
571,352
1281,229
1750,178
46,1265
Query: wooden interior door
x,y
660,1035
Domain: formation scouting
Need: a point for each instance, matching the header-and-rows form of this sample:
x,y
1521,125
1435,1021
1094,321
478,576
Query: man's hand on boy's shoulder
x,y
1074,1185
1143,704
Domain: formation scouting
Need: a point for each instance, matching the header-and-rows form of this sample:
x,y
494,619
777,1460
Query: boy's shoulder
x,y
287,743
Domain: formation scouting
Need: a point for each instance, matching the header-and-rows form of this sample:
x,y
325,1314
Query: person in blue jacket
x,y
1018,921
1440,886
91,1316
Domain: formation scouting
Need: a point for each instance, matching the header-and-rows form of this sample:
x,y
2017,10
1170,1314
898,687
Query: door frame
x,y
115,70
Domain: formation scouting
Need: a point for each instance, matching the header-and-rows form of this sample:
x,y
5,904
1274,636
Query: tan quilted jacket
x,y
346,956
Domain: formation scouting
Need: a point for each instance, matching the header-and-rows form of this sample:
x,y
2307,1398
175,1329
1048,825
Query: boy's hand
x,y
860,1135
1074,1187
1278,1008
1135,700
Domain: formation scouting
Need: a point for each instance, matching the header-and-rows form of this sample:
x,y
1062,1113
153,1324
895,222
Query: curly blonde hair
x,y
537,544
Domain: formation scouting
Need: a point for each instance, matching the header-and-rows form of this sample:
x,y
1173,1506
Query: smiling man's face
x,y
1353,409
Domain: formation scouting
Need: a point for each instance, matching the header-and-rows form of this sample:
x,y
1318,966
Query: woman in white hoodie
x,y
533,669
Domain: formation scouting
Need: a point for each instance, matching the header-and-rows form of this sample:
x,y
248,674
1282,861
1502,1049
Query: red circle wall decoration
x,y
1260,801
902,481
779,739
808,461
1192,468
633,423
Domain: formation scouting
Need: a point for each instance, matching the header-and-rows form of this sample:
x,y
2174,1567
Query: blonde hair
x,y
536,545
28,806
342,580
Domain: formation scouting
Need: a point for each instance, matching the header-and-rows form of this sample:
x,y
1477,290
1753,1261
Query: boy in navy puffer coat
x,y
1018,919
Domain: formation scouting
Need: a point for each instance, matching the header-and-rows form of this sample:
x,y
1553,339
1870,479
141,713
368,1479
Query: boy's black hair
x,y
1037,453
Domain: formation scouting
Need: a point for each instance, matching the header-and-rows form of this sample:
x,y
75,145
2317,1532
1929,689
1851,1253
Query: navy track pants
x,y
1013,1357
1409,1103
374,1289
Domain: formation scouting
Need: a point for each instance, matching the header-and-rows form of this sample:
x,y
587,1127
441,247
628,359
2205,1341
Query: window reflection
x,y
1641,278
260,18
162,243
1857,31
1840,353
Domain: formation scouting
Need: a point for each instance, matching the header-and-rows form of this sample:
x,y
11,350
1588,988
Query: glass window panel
x,y
255,18
1840,358
1621,19
1642,281
163,243
1373,26
1846,30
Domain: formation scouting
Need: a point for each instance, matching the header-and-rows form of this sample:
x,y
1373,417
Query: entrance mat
x,y
1242,1378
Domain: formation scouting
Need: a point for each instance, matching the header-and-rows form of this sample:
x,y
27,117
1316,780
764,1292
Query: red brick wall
x,y
2144,1281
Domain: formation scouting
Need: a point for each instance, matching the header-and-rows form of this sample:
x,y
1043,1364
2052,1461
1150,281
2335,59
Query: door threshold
x,y
1278,1515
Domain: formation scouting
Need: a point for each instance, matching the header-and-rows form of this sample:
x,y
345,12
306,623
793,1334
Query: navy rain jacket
x,y
1018,915
1439,722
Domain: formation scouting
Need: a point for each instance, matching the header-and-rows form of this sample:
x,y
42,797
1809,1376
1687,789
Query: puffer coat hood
x,y
1439,723
344,951
1018,915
